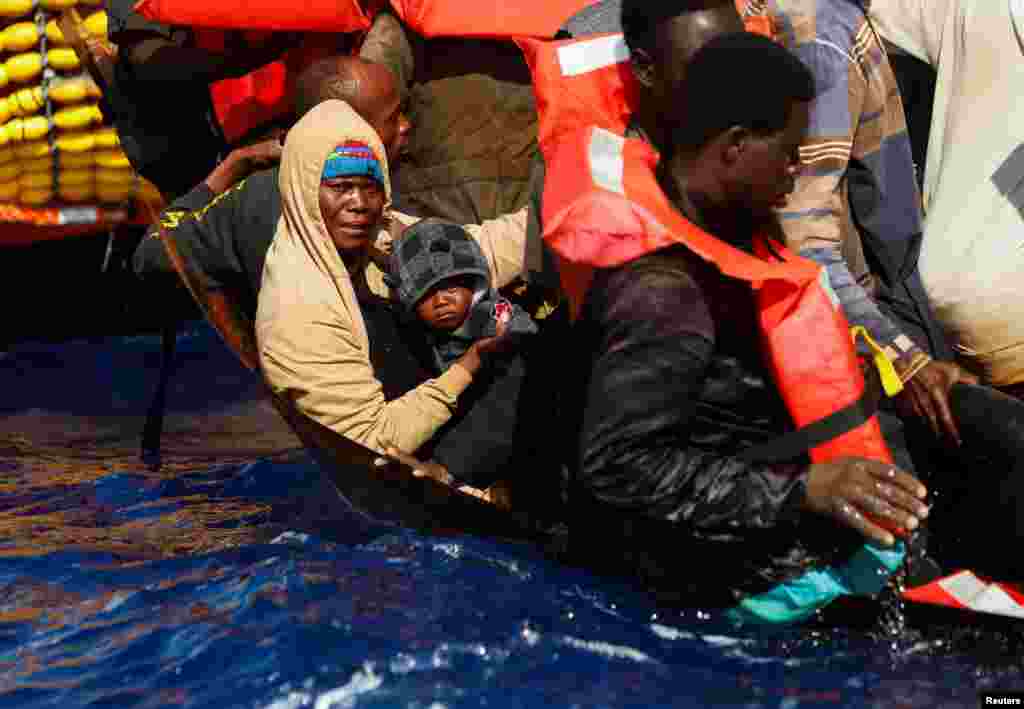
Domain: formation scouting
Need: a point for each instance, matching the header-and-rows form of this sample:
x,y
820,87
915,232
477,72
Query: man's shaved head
x,y
340,77
369,88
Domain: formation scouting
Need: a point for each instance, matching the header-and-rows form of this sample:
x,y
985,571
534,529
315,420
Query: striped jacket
x,y
856,208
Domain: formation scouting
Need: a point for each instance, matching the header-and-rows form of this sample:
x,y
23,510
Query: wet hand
x,y
868,496
926,395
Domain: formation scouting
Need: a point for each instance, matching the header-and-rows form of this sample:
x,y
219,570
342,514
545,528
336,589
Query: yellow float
x,y
111,158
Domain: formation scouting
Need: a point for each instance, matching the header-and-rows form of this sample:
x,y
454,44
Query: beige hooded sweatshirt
x,y
312,339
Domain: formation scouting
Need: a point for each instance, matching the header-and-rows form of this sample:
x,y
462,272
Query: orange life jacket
x,y
493,19
589,81
602,207
334,16
267,94
247,103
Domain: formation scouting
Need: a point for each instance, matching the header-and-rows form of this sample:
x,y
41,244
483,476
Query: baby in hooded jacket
x,y
442,282
441,276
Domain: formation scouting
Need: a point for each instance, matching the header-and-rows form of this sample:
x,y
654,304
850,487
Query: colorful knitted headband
x,y
351,159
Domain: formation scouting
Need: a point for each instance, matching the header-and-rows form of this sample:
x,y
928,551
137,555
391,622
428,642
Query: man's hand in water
x,y
865,494
926,395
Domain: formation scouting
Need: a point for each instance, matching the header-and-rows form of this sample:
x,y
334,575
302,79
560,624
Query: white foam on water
x,y
616,652
363,681
117,601
452,550
667,633
294,700
290,538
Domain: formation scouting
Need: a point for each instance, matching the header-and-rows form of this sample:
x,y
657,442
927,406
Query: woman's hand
x,y
497,343
868,496
472,360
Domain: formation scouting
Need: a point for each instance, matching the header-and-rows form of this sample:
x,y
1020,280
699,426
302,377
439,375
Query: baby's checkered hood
x,y
430,251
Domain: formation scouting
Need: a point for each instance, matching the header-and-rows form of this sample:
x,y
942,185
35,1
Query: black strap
x,y
793,445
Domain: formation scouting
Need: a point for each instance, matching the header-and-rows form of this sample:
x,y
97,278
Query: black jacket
x,y
225,237
168,129
672,389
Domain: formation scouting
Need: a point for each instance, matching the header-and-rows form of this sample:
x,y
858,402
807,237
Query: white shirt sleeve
x,y
915,26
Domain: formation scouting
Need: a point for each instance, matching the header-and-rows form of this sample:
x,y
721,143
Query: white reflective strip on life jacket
x,y
607,163
971,592
593,54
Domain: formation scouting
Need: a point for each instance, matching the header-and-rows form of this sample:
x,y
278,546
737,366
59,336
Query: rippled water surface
x,y
206,584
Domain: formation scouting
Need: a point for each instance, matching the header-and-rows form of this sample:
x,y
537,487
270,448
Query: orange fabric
x,y
245,104
497,19
601,98
253,100
605,97
337,16
805,335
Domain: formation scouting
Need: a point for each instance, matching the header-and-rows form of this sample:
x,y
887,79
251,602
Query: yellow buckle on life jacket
x,y
891,382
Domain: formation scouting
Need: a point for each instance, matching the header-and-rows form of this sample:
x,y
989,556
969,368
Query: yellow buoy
x,y
70,90
32,149
9,170
3,76
96,24
15,8
77,116
75,142
24,67
35,180
111,158
57,4
63,59
149,192
115,176
67,161
32,128
75,178
20,36
77,193
35,197
76,160
44,164
25,102
115,193
8,191
53,33
106,137
6,155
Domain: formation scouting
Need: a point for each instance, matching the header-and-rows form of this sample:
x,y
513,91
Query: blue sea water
x,y
200,585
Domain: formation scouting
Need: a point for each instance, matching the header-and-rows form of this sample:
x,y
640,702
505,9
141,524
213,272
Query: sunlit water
x,y
199,586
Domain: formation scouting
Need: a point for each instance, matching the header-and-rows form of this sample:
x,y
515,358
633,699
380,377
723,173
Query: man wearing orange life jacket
x,y
675,389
